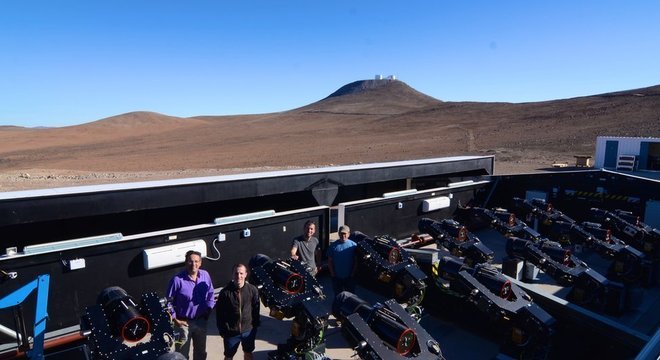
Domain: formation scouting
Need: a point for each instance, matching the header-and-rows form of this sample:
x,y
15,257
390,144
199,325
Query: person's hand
x,y
181,323
294,257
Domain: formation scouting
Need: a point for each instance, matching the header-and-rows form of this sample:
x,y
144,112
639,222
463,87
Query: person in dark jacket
x,y
237,314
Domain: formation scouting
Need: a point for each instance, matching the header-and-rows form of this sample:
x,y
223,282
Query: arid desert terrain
x,y
362,122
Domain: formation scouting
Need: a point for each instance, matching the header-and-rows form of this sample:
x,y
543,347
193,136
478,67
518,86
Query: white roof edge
x,y
628,173
221,178
628,137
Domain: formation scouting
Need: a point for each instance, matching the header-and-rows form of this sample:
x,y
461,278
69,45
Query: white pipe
x,y
9,332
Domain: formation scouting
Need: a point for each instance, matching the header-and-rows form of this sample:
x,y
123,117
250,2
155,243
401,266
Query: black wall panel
x,y
385,217
121,263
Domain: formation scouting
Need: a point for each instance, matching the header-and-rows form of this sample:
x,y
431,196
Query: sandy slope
x,y
52,178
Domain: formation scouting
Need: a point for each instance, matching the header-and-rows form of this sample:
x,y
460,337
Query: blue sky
x,y
70,62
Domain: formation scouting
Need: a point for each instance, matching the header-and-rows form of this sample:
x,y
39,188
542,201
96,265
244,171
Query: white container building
x,y
627,153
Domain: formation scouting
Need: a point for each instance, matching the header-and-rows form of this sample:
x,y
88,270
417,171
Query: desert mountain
x,y
365,121
383,97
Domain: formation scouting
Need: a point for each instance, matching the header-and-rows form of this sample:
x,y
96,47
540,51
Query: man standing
x,y
191,292
341,262
306,247
237,314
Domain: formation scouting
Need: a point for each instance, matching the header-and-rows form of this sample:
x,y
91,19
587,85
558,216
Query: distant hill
x,y
373,97
364,121
139,118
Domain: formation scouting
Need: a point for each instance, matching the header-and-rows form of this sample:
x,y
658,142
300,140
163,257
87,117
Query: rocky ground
x,y
54,178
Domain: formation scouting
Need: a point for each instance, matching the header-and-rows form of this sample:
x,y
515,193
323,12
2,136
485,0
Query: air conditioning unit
x,y
171,254
436,203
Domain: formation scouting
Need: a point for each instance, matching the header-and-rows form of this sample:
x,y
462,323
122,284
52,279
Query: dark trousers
x,y
343,284
246,339
194,333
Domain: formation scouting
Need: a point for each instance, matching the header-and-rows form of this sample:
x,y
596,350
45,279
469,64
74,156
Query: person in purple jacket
x,y
191,294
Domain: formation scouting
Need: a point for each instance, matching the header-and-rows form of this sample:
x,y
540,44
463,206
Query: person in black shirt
x,y
237,314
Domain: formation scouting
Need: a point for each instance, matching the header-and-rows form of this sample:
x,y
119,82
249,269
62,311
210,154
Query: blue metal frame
x,y
41,310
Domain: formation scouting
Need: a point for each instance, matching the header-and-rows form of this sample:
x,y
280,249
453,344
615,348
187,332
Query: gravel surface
x,y
54,178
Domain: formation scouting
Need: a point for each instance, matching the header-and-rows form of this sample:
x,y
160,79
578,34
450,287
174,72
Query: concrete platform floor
x,y
456,343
